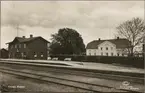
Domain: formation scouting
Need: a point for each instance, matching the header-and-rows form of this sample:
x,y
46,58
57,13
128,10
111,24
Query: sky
x,y
92,19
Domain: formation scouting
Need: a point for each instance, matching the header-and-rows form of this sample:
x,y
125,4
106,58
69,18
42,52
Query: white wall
x,y
112,51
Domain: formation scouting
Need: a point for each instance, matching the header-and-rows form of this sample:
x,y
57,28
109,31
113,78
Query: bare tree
x,y
134,31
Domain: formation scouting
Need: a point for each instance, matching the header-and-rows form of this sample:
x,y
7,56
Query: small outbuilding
x,y
4,53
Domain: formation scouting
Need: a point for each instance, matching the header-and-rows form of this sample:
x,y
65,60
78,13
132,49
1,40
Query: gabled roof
x,y
120,43
24,40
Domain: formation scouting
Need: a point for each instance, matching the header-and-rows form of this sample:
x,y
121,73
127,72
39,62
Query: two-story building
x,y
110,47
31,48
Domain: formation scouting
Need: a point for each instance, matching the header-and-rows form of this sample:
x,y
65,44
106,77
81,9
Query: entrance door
x,y
18,55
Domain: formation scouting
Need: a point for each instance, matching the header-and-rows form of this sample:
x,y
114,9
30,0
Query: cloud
x,y
92,19
82,14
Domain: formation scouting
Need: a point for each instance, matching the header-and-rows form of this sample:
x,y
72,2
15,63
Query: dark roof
x,y
22,40
120,43
3,49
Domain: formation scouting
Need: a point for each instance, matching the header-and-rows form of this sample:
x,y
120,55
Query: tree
x,y
67,41
54,48
134,31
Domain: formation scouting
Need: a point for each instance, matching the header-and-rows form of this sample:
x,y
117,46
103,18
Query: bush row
x,y
130,61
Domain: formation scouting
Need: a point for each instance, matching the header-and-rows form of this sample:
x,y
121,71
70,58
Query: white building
x,y
110,47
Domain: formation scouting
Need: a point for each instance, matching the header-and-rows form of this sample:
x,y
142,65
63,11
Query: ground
x,y
25,84
91,65
19,84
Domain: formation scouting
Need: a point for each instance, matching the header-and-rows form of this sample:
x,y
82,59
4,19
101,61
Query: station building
x,y
28,48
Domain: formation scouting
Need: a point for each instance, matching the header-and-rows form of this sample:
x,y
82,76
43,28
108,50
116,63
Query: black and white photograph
x,y
72,46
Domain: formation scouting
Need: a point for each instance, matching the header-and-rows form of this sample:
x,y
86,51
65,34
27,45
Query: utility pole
x,y
0,44
17,28
0,41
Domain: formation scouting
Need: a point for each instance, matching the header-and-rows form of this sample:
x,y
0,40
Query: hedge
x,y
130,61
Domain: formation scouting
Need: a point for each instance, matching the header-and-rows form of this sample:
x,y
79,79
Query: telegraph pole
x,y
17,28
0,36
0,44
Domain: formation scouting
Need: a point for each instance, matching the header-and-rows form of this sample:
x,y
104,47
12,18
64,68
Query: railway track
x,y
66,70
67,82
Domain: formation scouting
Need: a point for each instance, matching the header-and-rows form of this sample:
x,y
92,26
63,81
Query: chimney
x,y
23,36
117,38
31,36
99,39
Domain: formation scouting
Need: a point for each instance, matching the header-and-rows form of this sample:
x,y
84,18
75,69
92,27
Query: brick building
x,y
28,48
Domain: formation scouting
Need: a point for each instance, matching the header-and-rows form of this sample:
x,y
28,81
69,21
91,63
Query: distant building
x,y
139,50
4,53
30,48
110,47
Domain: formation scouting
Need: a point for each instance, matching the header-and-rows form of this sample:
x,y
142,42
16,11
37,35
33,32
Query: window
x,y
106,48
15,46
106,54
19,45
102,53
35,55
111,54
117,54
111,48
24,45
22,54
89,51
94,53
41,54
101,48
